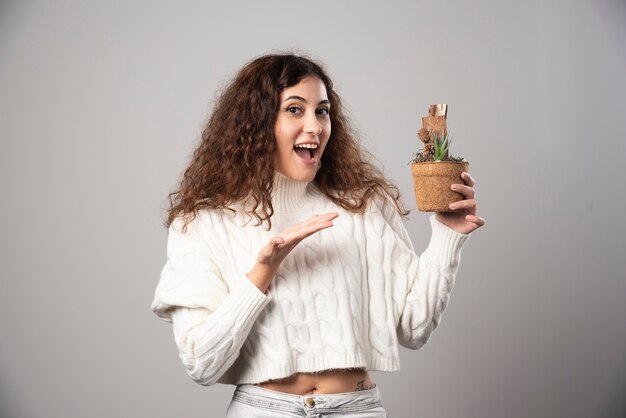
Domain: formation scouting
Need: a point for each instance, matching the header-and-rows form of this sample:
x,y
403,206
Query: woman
x,y
289,271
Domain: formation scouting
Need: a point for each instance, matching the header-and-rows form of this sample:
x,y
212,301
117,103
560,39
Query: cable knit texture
x,y
345,297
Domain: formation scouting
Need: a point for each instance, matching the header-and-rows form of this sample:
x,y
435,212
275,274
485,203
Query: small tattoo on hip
x,y
362,386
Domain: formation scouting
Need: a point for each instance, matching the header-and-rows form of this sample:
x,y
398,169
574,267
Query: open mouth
x,y
308,152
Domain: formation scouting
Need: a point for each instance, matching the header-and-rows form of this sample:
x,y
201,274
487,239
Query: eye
x,y
323,111
293,109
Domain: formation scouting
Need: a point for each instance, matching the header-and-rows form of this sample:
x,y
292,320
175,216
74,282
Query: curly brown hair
x,y
235,158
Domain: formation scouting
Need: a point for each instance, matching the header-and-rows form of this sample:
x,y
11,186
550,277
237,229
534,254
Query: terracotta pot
x,y
432,181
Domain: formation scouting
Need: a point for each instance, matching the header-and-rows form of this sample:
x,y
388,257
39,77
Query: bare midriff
x,y
327,381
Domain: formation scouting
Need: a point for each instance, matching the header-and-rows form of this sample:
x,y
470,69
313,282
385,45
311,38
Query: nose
x,y
312,125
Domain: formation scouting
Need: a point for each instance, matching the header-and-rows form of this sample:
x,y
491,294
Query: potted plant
x,y
434,169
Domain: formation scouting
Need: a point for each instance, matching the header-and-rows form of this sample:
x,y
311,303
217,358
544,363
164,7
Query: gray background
x,y
101,104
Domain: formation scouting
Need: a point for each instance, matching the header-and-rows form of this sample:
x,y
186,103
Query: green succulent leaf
x,y
441,145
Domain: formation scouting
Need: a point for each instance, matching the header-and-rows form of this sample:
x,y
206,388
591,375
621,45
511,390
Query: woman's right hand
x,y
272,255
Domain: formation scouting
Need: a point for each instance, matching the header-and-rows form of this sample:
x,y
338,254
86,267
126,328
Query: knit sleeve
x,y
211,317
430,279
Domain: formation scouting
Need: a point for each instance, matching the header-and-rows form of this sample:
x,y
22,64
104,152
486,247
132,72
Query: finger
x,y
273,245
466,191
276,241
476,219
331,215
269,250
298,232
308,230
322,217
468,179
464,204
313,224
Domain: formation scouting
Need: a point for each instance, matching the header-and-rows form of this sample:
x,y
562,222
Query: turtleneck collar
x,y
289,194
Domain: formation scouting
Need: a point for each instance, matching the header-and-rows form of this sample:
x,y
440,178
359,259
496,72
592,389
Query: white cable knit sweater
x,y
344,297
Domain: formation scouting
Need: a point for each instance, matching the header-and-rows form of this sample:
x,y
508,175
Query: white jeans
x,y
250,401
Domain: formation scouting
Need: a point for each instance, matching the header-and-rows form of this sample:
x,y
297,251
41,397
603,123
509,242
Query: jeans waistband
x,y
345,401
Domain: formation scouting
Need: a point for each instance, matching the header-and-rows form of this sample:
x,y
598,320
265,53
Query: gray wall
x,y
101,104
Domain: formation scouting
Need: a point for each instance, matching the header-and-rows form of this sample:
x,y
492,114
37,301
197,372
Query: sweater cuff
x,y
445,243
244,302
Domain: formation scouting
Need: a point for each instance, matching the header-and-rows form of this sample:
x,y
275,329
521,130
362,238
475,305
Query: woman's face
x,y
302,129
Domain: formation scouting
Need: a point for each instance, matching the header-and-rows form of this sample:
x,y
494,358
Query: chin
x,y
305,178
300,176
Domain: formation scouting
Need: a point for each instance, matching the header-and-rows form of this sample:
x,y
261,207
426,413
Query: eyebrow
x,y
302,99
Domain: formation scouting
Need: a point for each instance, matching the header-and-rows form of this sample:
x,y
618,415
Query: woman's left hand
x,y
463,219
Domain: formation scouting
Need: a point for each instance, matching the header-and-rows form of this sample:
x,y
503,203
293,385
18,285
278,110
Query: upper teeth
x,y
311,146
